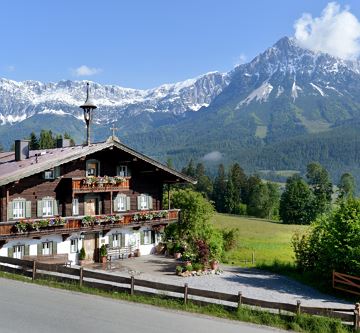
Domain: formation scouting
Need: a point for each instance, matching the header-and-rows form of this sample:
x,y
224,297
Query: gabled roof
x,y
41,160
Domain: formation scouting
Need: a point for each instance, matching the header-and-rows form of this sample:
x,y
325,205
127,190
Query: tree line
x,y
302,201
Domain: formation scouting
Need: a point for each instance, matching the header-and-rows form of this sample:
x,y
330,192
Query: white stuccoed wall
x,y
132,237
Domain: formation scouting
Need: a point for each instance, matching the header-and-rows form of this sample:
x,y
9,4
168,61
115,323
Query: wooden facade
x,y
83,192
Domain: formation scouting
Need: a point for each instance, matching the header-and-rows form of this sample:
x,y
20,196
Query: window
x,y
122,171
74,245
92,168
18,209
147,237
144,202
52,173
75,207
18,251
116,240
47,207
121,203
47,248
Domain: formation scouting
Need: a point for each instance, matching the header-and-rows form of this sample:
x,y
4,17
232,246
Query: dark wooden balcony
x,y
100,184
35,228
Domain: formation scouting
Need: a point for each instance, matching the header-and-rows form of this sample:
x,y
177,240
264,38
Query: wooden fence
x,y
347,283
110,282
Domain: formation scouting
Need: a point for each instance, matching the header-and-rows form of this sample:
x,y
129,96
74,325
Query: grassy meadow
x,y
269,240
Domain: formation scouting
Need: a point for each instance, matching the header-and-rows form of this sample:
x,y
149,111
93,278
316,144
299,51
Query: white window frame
x,y
46,248
47,207
122,170
116,240
75,206
19,208
18,251
74,245
147,237
49,174
144,202
97,173
121,203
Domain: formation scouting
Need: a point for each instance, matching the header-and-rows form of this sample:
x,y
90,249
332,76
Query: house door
x,y
90,245
90,206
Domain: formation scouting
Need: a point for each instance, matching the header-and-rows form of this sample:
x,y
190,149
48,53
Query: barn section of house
x,y
59,200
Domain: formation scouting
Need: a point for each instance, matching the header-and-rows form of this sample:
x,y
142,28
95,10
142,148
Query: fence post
x,y
239,299
34,270
298,307
185,293
357,317
253,258
81,276
132,285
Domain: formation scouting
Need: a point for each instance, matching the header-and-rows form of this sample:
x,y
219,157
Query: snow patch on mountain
x,y
260,94
318,89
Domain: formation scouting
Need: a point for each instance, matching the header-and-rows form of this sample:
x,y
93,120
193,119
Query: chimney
x,y
21,150
62,143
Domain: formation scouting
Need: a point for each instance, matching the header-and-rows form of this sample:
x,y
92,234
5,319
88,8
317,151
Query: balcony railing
x,y
100,184
64,225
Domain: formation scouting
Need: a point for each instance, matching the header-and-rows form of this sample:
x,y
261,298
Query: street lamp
x,y
87,107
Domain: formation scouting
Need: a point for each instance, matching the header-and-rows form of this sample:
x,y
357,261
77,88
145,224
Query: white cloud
x,y
214,156
336,31
86,71
241,59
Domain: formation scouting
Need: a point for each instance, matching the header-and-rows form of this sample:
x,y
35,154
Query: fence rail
x,y
111,282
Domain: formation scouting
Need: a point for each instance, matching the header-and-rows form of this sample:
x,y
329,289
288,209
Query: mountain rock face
x,y
21,100
285,108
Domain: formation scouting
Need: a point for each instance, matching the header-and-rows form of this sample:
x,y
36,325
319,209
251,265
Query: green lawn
x,y
268,240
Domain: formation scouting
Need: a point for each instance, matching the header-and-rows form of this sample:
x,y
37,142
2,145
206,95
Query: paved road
x,y
30,308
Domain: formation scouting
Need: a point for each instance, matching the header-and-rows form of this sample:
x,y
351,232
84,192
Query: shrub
x,y
197,266
240,209
230,238
189,268
179,269
103,251
82,254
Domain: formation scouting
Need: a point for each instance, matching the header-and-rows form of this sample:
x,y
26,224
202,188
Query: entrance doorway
x,y
90,245
90,206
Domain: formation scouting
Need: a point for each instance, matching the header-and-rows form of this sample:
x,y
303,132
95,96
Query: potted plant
x,y
103,254
214,264
177,251
82,257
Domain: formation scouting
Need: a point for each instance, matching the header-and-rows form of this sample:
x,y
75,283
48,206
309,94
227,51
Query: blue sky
x,y
141,43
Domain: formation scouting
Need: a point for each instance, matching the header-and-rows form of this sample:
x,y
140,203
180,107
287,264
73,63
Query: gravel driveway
x,y
253,283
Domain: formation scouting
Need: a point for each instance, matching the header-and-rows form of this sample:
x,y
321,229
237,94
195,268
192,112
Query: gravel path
x,y
253,283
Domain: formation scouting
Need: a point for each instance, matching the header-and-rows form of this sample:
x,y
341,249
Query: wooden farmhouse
x,y
56,201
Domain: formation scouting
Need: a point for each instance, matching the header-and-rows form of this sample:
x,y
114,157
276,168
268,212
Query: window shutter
x,y
118,170
128,203
111,240
10,211
28,209
116,204
150,202
122,240
54,247
128,172
39,208
57,172
56,207
142,238
152,236
27,250
39,249
139,202
10,251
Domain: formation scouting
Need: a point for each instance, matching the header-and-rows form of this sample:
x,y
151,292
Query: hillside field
x,y
269,240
